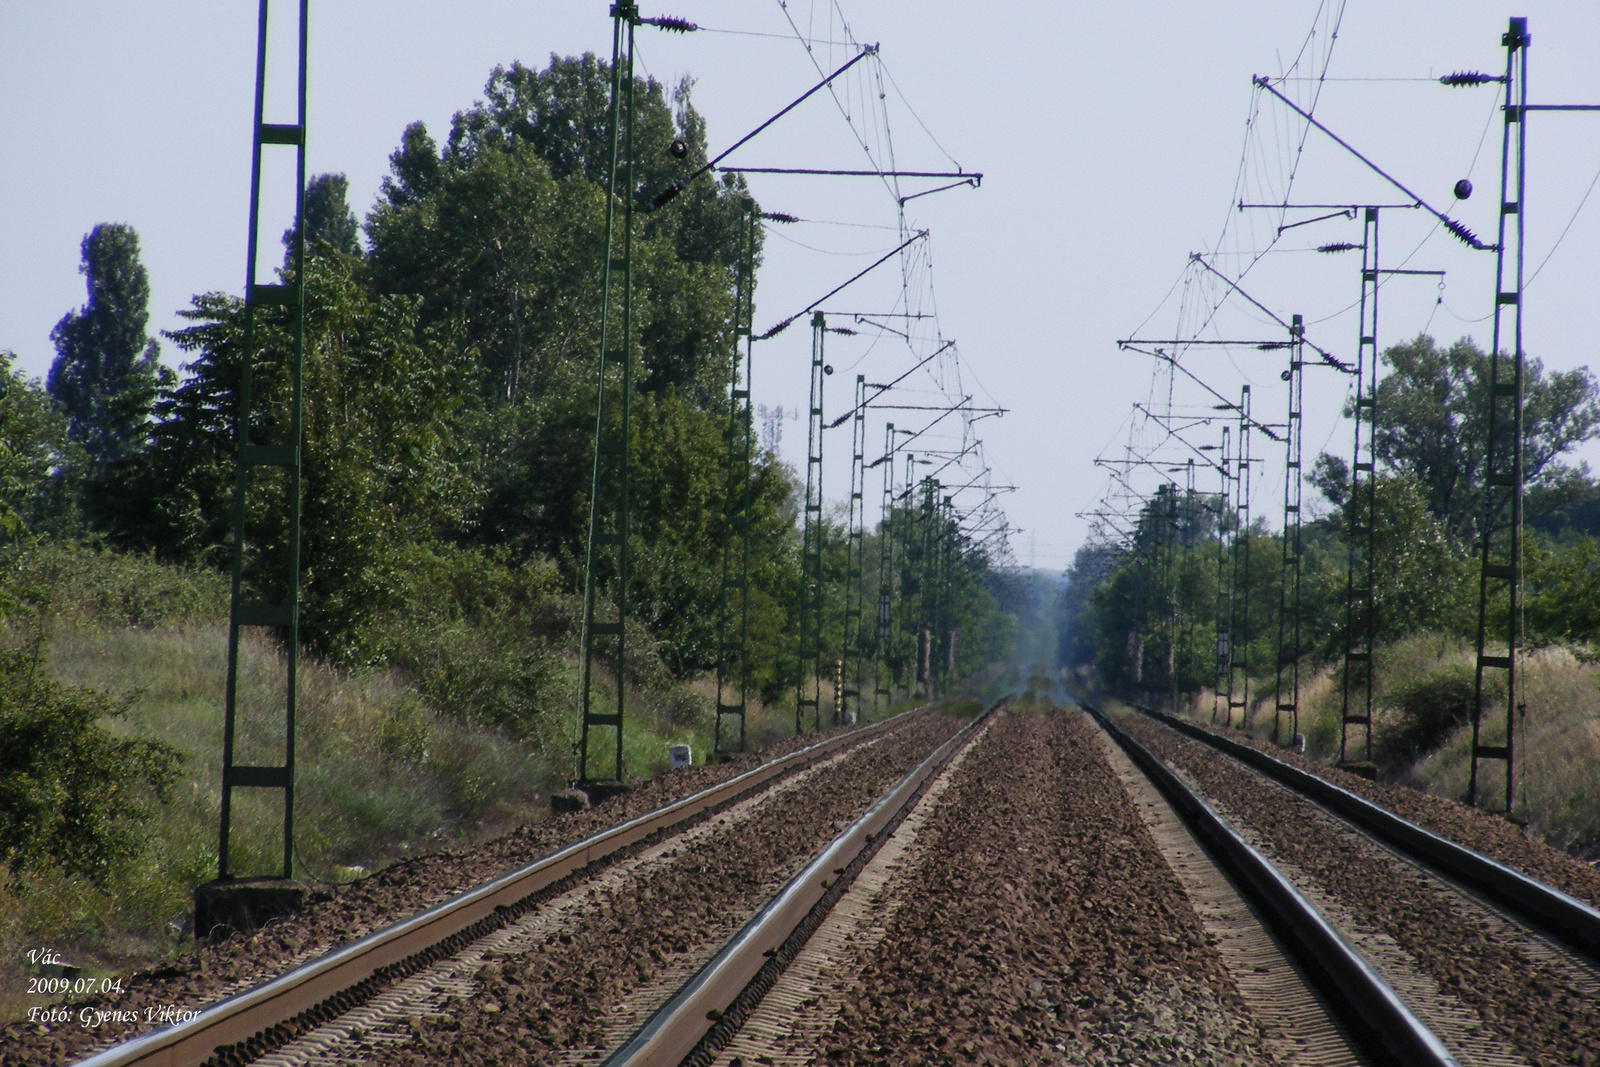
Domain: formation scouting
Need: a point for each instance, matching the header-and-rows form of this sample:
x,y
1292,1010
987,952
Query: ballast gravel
x,y
1041,926
552,1003
1530,999
1481,831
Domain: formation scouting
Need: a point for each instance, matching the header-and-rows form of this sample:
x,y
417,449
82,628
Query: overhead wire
x,y
1575,212
1270,163
866,113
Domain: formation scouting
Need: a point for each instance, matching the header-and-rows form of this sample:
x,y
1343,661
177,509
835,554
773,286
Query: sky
x,y
1113,141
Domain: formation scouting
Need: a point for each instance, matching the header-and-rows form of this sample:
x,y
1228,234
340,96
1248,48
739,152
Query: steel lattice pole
x,y
611,451
1503,480
284,614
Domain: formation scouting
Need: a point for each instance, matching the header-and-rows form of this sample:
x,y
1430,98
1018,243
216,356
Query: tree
x,y
1433,423
330,224
106,370
382,467
508,253
504,231
38,464
561,113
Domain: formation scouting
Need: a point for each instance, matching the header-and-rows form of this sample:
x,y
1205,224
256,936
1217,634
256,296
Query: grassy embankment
x,y
1422,733
381,774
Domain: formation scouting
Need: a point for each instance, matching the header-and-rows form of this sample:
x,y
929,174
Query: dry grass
x,y
1557,788
380,775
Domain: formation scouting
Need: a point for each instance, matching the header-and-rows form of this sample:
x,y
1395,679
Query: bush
x,y
1427,710
99,588
71,794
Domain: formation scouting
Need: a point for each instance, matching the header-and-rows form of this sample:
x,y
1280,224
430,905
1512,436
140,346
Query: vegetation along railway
x,y
554,718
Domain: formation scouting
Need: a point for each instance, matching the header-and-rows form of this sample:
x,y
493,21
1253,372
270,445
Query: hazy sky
x,y
1109,136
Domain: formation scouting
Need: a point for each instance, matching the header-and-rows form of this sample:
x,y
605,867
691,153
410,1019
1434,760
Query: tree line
x,y
450,353
1144,613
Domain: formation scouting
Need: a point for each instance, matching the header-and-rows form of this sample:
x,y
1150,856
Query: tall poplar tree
x,y
328,219
107,369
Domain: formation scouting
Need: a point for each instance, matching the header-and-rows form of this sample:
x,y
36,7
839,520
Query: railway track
x,y
707,1012
1037,886
1017,915
336,1007
1429,952
1568,920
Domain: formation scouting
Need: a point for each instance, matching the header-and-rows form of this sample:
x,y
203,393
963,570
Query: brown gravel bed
x,y
1527,1001
1480,831
533,1007
1042,926
339,914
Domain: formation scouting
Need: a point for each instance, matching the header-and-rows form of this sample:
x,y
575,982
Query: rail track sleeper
x,y
751,959
1321,949
1570,921
218,1031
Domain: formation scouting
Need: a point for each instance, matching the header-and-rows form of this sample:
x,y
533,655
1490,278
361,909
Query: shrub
x,y
1427,710
72,795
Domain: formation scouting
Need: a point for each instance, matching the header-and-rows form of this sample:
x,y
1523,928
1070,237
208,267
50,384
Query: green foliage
x,y
1092,564
93,587
106,370
38,461
1433,422
1425,710
1564,504
73,795
475,634
1562,601
504,232
1123,605
943,583
381,462
1427,576
507,254
449,418
560,112
330,224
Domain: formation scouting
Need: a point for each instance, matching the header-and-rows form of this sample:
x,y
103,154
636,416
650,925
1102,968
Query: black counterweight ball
x,y
1463,189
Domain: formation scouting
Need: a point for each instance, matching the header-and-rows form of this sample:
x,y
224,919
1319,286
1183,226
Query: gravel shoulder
x,y
1481,831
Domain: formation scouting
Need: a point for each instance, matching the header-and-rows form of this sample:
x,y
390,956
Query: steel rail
x,y
1373,1004
241,1017
678,1027
1570,921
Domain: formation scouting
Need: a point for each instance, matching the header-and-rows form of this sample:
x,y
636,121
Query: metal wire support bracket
x,y
808,692
1288,660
